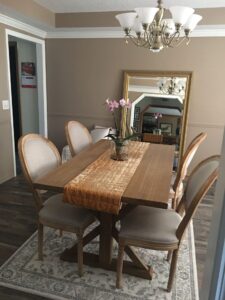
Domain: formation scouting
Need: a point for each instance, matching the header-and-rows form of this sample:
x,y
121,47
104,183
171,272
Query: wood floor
x,y
18,222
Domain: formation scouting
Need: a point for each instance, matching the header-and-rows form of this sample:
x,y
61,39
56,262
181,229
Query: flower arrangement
x,y
123,132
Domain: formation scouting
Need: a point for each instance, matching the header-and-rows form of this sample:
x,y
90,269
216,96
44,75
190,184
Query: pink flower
x,y
123,102
112,104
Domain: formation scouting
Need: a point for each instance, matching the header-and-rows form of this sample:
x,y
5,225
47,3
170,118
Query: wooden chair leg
x,y
174,204
169,254
172,270
80,253
120,265
40,241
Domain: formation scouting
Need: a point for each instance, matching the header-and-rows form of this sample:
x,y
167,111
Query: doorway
x,y
27,88
14,78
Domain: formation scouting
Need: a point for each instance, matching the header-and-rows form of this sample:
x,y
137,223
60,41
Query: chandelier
x,y
147,28
171,86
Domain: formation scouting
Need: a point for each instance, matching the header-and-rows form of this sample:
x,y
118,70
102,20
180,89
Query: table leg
x,y
106,240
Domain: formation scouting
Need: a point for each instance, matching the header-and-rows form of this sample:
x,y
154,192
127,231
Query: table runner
x,y
101,185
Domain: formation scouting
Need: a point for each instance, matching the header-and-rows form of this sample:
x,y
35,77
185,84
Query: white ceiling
x,y
63,6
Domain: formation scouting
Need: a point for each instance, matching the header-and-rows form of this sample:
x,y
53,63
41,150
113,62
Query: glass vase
x,y
119,151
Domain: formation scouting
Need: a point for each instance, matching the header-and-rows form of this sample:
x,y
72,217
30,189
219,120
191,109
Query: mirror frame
x,y
186,74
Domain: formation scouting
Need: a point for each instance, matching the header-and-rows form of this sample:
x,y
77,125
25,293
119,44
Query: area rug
x,y
55,279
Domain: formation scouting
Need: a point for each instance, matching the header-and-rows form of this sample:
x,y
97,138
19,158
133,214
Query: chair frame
x,y
174,247
68,137
183,166
39,203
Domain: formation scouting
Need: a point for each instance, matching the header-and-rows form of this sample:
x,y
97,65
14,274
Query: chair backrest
x,y
199,182
78,137
38,156
185,162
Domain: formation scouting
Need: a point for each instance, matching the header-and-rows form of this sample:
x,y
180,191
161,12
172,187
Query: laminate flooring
x,y
18,221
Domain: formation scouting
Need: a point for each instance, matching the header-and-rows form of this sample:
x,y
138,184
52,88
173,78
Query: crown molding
x,y
22,26
116,32
97,32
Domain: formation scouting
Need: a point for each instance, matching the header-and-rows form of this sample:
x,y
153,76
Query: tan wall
x,y
29,9
82,73
104,19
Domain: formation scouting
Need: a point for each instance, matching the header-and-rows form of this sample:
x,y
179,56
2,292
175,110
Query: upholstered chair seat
x,y
65,215
38,157
151,225
163,229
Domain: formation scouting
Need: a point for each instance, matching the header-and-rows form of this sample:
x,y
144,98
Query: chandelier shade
x,y
147,28
192,22
181,14
145,14
127,20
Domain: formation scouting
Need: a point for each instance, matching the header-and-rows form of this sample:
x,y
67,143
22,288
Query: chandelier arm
x,y
185,38
140,42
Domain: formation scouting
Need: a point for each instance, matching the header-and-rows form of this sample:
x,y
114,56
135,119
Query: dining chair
x,y
78,136
39,156
176,190
163,229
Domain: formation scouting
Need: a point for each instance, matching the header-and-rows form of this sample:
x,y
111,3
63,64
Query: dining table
x,y
149,185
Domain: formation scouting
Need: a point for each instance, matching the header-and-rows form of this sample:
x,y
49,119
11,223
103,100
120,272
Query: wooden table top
x,y
149,185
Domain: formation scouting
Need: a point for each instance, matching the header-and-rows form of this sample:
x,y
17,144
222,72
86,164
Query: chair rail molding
x,y
206,125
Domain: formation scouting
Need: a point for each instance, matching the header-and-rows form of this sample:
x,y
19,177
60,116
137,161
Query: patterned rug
x,y
55,279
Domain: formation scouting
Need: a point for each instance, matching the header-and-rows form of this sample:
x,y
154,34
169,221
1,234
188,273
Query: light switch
x,y
5,104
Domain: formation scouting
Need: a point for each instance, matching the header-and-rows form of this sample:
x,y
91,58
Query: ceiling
x,y
63,6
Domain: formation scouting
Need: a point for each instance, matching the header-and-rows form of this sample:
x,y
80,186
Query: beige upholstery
x,y
151,224
38,156
78,137
197,180
64,215
159,229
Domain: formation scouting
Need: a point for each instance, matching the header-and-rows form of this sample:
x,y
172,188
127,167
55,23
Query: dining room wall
x,y
82,73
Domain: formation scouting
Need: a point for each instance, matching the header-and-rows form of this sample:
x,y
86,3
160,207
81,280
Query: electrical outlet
x,y
5,104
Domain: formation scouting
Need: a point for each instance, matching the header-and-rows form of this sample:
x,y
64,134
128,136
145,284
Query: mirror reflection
x,y
159,106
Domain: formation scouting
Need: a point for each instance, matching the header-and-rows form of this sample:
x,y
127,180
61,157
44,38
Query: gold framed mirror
x,y
160,101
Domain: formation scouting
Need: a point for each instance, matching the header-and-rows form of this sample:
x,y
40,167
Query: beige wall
x,y
104,19
82,73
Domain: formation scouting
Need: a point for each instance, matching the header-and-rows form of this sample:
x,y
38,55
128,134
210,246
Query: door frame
x,y
41,87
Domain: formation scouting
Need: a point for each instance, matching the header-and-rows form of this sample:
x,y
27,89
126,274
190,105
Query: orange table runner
x,y
101,185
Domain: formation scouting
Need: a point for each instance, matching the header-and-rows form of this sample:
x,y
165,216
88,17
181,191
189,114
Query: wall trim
x,y
22,26
97,32
3,179
116,32
80,116
17,34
